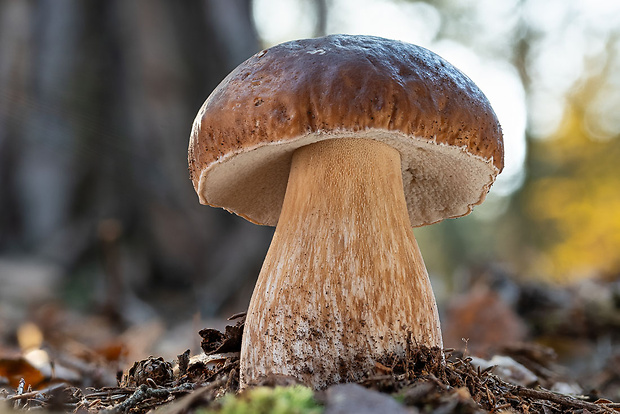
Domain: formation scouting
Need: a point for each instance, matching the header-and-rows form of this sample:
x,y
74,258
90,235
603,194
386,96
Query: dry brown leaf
x,y
14,368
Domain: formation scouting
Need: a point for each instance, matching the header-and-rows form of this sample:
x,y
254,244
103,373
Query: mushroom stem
x,y
343,283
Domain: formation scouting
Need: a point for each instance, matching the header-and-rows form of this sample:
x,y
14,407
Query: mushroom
x,y
344,143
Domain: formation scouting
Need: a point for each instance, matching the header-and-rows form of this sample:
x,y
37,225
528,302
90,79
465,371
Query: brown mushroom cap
x,y
344,86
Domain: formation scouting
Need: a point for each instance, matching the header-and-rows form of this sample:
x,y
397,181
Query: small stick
x,y
142,393
110,393
564,400
500,407
20,391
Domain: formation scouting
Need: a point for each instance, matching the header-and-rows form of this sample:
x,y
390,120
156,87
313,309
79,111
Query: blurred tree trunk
x,y
96,105
322,10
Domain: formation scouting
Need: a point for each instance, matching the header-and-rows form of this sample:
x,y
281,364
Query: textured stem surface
x,y
343,283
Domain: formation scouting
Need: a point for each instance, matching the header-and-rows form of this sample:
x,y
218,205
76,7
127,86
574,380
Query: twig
x,y
20,391
564,400
500,407
143,392
111,392
32,394
200,395
24,396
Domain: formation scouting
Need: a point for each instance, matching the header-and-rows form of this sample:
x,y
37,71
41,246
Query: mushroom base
x,y
343,283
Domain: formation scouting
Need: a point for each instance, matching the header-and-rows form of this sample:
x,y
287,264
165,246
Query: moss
x,y
265,400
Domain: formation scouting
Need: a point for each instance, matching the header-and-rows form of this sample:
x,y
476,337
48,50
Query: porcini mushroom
x,y
344,143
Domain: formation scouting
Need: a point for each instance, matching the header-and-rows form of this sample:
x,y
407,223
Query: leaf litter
x,y
425,380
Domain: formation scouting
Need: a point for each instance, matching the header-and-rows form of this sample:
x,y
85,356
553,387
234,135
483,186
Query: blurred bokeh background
x,y
98,216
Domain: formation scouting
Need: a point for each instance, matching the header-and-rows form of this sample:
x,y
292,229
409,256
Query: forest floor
x,y
518,377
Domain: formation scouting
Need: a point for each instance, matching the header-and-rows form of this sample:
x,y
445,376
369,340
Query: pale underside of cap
x,y
344,86
440,181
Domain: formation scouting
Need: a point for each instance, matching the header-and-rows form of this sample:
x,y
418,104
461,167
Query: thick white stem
x,y
343,283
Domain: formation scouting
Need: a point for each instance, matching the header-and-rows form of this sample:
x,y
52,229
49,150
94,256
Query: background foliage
x,y
97,100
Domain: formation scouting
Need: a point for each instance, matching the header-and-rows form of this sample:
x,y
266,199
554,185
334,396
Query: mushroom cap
x,y
345,86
